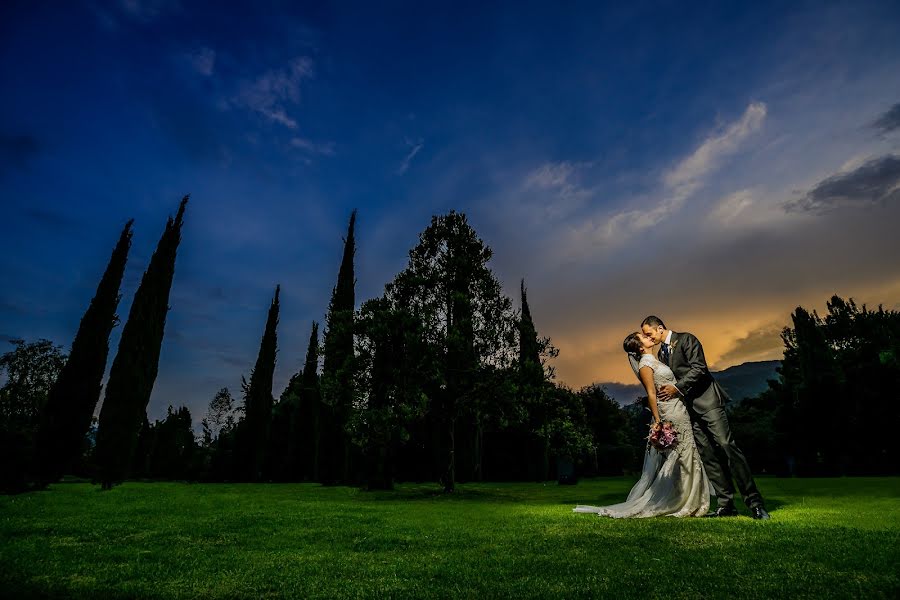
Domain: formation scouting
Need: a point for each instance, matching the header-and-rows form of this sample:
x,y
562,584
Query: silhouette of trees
x,y
438,379
74,395
468,322
135,366
838,383
30,369
337,369
253,433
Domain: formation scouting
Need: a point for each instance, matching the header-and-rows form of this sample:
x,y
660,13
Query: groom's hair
x,y
653,321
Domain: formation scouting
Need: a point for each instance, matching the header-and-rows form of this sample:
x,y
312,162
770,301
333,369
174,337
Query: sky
x,y
716,164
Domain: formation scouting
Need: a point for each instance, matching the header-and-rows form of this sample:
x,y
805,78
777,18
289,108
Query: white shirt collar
x,y
668,341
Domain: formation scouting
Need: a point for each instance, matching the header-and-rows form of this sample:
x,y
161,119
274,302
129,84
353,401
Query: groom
x,y
705,401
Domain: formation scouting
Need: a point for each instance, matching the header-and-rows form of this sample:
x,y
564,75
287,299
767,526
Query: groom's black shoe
x,y
758,512
724,511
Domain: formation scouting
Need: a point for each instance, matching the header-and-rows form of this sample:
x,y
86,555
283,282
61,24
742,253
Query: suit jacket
x,y
701,392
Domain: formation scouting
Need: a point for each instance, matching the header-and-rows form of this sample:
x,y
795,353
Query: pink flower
x,y
663,436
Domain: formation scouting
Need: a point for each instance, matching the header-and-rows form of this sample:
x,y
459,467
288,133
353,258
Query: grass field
x,y
827,538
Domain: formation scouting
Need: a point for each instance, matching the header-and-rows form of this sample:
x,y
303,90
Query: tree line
x,y
832,408
438,379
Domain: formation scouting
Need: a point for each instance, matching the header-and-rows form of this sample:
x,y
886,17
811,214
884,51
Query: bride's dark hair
x,y
632,345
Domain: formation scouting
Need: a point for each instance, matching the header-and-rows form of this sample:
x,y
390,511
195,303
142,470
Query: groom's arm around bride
x,y
705,401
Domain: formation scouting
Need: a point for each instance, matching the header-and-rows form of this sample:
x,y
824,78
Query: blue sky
x,y
714,163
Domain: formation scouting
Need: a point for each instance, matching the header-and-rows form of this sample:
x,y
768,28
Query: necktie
x,y
664,353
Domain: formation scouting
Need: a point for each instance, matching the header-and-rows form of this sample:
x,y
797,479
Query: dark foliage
x,y
135,366
337,370
73,397
253,433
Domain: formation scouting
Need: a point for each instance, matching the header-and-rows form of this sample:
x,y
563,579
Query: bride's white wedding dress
x,y
673,482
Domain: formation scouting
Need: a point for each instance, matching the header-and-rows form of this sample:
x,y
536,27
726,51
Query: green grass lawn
x,y
827,538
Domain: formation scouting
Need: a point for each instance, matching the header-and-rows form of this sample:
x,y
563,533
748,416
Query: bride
x,y
673,482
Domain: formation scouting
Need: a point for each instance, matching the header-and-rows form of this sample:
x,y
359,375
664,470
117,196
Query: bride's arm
x,y
646,376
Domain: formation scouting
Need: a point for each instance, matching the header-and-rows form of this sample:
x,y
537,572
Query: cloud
x,y
269,93
415,147
624,393
763,343
203,60
326,148
678,183
877,180
889,121
689,174
731,206
560,179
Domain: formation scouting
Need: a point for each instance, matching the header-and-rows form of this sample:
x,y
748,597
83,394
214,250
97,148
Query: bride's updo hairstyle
x,y
633,346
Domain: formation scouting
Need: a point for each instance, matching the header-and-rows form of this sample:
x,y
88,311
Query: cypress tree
x,y
531,380
529,347
337,369
74,395
258,400
135,366
307,426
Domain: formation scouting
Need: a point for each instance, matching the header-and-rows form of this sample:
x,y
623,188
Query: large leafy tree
x,y
391,367
30,370
467,321
135,366
839,377
220,415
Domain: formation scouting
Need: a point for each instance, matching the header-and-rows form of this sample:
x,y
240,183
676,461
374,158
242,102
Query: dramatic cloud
x,y
889,121
875,181
269,94
689,174
764,343
678,184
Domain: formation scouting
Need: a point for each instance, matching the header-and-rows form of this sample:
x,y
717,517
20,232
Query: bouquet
x,y
663,436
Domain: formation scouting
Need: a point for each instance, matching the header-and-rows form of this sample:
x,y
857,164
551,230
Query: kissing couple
x,y
677,481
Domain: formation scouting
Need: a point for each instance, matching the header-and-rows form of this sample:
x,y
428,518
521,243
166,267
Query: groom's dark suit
x,y
705,401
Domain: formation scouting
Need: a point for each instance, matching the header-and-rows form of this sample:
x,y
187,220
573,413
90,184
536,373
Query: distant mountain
x,y
741,381
747,380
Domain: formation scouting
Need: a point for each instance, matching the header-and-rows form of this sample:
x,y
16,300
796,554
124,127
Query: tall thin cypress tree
x,y
531,379
307,419
135,366
529,348
259,400
337,369
73,397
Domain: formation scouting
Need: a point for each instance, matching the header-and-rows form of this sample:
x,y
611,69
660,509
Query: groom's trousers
x,y
723,459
